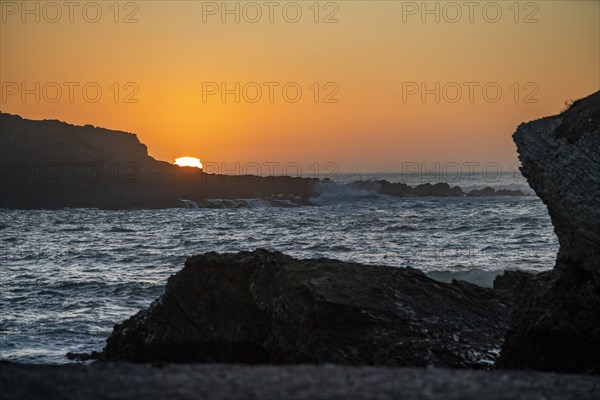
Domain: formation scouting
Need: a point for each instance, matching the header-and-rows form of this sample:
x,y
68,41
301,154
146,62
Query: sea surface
x,y
67,276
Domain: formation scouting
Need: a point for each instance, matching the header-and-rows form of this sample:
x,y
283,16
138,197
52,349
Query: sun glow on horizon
x,y
451,95
188,162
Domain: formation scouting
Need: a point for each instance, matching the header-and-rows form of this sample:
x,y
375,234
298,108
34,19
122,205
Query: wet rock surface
x,y
266,307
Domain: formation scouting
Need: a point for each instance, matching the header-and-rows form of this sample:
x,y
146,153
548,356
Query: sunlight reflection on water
x,y
68,276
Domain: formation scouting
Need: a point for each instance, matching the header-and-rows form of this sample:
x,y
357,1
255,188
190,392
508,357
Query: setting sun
x,y
188,162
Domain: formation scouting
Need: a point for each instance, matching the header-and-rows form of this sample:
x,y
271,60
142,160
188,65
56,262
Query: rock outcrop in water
x,y
556,321
265,307
399,189
441,189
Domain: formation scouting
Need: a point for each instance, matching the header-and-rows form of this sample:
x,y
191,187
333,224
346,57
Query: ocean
x,y
67,276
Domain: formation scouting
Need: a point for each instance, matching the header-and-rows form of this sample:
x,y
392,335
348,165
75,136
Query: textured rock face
x,y
555,324
264,307
560,158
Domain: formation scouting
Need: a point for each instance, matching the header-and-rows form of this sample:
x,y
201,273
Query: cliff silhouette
x,y
53,164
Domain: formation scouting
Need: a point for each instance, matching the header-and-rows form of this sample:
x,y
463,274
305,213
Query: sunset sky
x,y
369,62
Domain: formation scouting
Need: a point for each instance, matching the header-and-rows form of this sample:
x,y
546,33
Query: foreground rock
x,y
556,321
127,381
264,307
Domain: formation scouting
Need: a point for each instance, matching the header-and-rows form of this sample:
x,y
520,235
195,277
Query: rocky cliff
x,y
556,321
52,164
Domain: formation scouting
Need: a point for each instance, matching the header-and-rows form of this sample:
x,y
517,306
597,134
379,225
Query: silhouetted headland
x,y
52,164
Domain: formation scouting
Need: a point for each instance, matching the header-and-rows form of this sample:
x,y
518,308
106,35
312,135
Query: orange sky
x,y
374,53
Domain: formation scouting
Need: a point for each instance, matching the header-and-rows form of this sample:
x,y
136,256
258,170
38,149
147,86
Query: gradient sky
x,y
374,51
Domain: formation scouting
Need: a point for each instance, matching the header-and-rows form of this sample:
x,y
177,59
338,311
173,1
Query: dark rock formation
x,y
394,189
556,321
264,307
438,189
94,355
488,192
383,186
52,164
555,325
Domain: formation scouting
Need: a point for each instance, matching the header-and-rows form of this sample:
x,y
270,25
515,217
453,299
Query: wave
x,y
400,228
283,201
333,193
188,203
75,229
526,219
523,188
118,229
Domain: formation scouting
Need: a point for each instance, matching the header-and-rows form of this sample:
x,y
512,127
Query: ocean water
x,y
68,276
